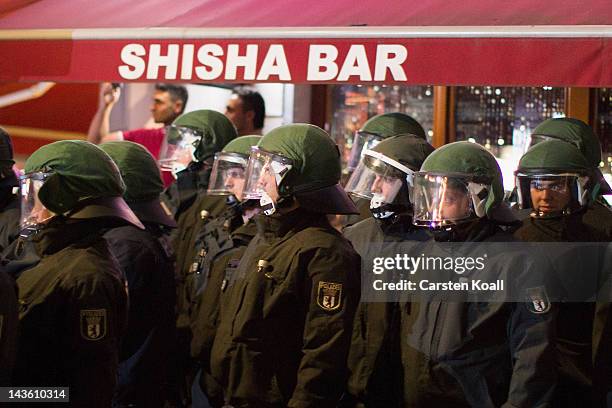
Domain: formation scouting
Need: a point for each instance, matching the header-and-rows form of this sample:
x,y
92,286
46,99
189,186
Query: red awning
x,y
470,42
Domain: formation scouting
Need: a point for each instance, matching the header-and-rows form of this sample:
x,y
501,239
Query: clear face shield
x,y
379,179
362,142
264,175
442,201
551,195
228,175
178,149
33,212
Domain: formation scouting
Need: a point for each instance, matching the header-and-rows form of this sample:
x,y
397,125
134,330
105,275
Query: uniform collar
x,y
61,232
477,230
559,228
278,225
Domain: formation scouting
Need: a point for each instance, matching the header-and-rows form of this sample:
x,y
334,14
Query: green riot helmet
x,y
194,137
74,179
142,180
297,161
458,182
581,135
229,170
385,174
552,179
379,128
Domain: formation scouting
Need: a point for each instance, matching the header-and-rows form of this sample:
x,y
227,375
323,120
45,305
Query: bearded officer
x,y
73,304
285,338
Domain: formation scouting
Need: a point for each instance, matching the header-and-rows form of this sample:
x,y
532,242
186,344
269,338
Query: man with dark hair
x,y
247,111
169,102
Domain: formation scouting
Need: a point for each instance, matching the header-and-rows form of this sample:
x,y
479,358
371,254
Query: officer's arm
x,y
331,295
96,315
531,330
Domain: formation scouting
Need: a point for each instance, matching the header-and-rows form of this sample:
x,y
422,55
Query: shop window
x,y
603,129
502,118
353,105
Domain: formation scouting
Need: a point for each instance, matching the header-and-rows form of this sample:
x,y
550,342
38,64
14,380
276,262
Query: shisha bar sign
x,y
291,61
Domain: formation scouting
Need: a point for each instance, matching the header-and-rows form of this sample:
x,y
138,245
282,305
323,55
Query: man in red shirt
x,y
168,103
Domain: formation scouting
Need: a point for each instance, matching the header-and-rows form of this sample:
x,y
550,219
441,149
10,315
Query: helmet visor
x,y
378,175
551,195
442,200
362,142
33,212
228,175
178,149
264,174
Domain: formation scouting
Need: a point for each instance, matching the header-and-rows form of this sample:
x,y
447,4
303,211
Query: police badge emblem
x,y
93,324
329,295
537,300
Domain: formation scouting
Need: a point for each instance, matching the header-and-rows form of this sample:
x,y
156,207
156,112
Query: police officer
x,y
553,182
9,320
221,241
9,199
227,180
579,134
285,338
73,303
146,259
384,176
373,132
486,352
192,141
188,152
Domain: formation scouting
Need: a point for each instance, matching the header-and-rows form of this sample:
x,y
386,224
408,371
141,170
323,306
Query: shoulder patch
x,y
329,295
93,324
537,300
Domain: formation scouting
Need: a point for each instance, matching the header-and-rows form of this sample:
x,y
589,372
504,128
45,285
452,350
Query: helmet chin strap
x,y
267,204
479,195
383,210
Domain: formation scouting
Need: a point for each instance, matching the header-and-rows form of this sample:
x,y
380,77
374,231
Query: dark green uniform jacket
x,y
374,359
9,320
213,302
285,338
73,312
190,223
584,352
9,216
599,217
480,354
363,205
147,262
212,239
